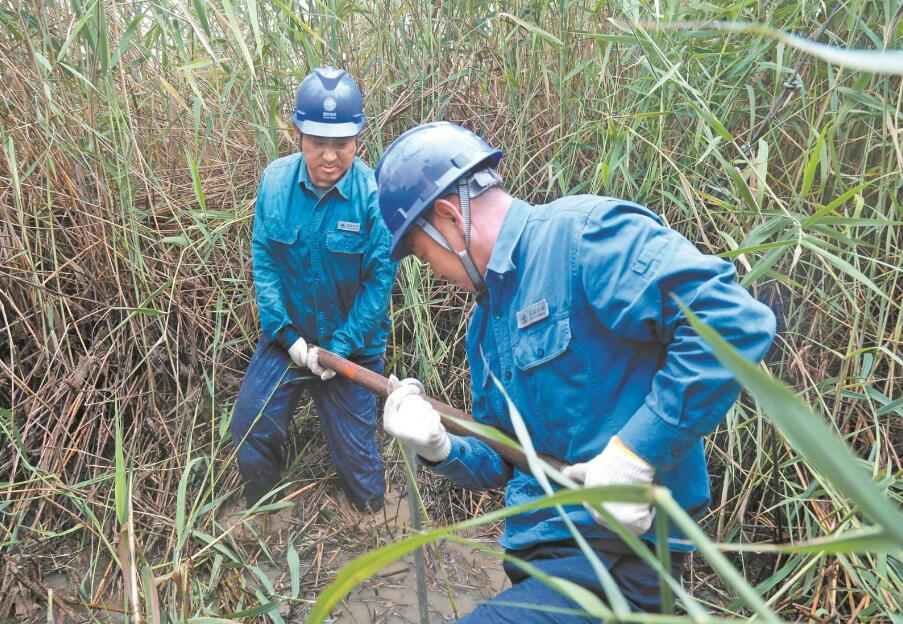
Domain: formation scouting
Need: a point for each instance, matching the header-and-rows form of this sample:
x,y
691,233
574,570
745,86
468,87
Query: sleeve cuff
x,y
472,464
456,466
287,337
455,453
338,346
655,440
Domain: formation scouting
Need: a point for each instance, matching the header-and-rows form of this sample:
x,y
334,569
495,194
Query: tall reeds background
x,y
132,138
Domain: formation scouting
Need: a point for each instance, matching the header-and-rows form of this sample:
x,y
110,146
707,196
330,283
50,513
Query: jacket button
x,y
541,352
507,374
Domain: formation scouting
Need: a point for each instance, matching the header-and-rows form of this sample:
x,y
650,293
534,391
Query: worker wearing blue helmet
x,y
577,322
322,276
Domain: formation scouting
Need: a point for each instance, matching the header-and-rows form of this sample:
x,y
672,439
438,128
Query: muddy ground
x,y
326,533
459,576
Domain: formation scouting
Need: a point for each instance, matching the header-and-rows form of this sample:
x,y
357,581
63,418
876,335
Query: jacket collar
x,y
342,186
501,260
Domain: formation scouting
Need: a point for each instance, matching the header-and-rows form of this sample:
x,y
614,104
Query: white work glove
x,y
414,422
298,353
617,465
313,363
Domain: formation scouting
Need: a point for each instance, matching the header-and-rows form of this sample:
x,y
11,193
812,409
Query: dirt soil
x,y
459,577
327,534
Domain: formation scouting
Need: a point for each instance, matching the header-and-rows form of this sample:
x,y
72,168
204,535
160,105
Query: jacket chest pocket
x,y
544,360
280,232
344,253
345,243
541,344
283,242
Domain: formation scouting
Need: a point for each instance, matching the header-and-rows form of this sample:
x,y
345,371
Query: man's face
x,y
327,158
444,263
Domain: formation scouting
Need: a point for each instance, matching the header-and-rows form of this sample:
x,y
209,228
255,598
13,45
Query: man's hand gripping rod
x,y
380,385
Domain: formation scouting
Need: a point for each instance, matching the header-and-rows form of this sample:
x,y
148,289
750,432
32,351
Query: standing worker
x,y
576,319
323,276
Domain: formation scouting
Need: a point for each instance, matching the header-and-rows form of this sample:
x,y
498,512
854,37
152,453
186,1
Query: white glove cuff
x,y
298,352
440,452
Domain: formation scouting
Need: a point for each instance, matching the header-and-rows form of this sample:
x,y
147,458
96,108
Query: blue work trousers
x,y
530,601
266,402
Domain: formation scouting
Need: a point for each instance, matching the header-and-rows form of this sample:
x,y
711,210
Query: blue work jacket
x,y
321,264
580,328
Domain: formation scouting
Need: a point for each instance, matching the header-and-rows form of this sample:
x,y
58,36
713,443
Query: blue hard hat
x,y
329,104
422,165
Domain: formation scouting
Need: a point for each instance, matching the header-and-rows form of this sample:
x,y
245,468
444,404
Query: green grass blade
x,y
846,267
871,61
237,37
368,564
121,479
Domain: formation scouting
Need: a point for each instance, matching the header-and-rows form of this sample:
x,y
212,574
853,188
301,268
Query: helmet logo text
x,y
329,105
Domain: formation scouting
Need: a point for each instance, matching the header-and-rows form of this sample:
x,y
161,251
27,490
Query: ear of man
x,y
447,218
448,208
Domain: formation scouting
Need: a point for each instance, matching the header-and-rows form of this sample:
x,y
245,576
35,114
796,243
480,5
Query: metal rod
x,y
417,525
380,385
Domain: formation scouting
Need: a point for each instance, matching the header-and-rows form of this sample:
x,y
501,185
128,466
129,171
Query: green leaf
x,y
201,10
739,182
239,39
126,38
764,265
261,609
872,61
89,12
180,240
834,205
532,28
121,480
812,164
145,310
846,267
181,505
203,30
585,599
294,569
872,539
255,27
196,180
539,468
710,551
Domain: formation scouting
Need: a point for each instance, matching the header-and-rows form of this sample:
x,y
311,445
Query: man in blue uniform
x,y
323,276
577,321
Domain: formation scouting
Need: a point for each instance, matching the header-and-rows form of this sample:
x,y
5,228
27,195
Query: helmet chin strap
x,y
470,267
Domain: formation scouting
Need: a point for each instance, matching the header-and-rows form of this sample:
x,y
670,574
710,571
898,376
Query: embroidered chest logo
x,y
533,313
329,105
348,226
